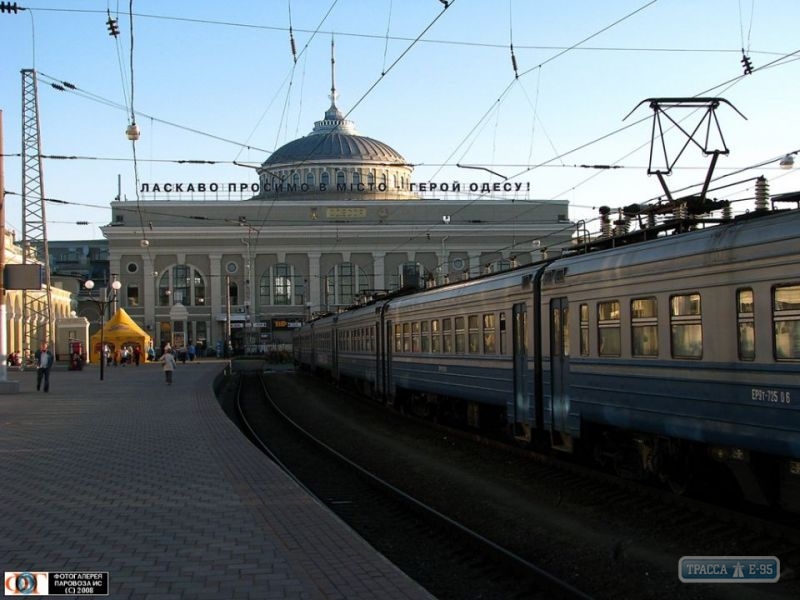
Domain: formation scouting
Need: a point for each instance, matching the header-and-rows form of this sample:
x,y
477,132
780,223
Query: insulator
x,y
682,211
762,193
651,220
727,213
113,27
605,222
514,61
746,64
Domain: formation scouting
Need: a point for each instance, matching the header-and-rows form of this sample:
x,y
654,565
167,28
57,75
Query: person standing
x,y
44,362
169,365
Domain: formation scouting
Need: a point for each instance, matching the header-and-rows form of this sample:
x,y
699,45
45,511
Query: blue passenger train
x,y
656,351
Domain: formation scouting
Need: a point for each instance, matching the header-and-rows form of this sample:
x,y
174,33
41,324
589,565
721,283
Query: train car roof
x,y
750,231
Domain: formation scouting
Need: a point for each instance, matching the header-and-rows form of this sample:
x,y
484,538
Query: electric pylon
x,y
37,322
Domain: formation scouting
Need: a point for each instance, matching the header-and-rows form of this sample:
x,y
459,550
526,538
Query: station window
x,y
746,326
786,319
489,334
686,326
447,336
133,294
584,313
460,331
608,328
436,337
644,327
474,334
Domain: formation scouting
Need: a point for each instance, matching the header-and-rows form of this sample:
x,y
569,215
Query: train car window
x,y
461,346
746,326
415,343
565,329
686,326
584,313
502,333
489,334
786,320
474,334
398,338
426,340
644,327
447,336
406,337
436,337
608,328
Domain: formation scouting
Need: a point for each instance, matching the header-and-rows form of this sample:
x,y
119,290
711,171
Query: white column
x,y
314,281
217,281
378,268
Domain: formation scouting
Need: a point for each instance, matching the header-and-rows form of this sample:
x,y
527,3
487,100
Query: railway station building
x,y
335,218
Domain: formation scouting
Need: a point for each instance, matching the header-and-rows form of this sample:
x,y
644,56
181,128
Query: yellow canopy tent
x,y
119,331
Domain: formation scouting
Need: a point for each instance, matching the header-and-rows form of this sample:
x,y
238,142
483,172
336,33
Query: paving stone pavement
x,y
153,484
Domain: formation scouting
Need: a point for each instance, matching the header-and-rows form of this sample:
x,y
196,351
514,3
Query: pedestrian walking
x,y
44,362
169,365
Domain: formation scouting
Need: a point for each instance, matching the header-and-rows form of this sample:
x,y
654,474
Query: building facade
x,y
22,337
336,217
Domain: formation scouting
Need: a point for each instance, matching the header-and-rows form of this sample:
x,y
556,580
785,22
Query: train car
x,y
666,351
464,348
357,339
652,356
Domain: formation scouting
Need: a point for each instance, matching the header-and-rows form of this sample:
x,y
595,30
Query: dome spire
x,y
334,119
333,76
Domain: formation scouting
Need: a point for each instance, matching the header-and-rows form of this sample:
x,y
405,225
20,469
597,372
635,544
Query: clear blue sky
x,y
206,70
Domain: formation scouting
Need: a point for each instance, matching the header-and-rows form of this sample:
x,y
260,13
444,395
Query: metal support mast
x,y
37,304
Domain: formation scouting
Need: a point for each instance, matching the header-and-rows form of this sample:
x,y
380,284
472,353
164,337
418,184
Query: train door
x,y
519,336
387,360
559,363
377,349
335,351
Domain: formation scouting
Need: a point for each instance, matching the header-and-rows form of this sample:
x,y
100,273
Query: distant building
x,y
336,217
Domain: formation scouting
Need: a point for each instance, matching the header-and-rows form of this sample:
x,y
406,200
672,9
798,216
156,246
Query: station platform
x,y
154,485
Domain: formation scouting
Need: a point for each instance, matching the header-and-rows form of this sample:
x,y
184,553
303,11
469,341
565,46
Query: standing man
x,y
169,364
44,361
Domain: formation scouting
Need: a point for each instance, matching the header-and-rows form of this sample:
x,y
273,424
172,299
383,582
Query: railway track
x,y
605,536
447,558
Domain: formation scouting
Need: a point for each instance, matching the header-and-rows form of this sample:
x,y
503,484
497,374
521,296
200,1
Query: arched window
x,y
356,178
182,284
280,286
384,179
394,180
310,179
343,284
499,265
233,293
408,275
340,178
296,179
325,178
371,178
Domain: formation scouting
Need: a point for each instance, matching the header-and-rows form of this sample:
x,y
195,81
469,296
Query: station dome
x,y
334,159
335,138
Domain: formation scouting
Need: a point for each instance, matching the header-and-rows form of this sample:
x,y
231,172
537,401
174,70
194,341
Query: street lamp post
x,y
102,304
